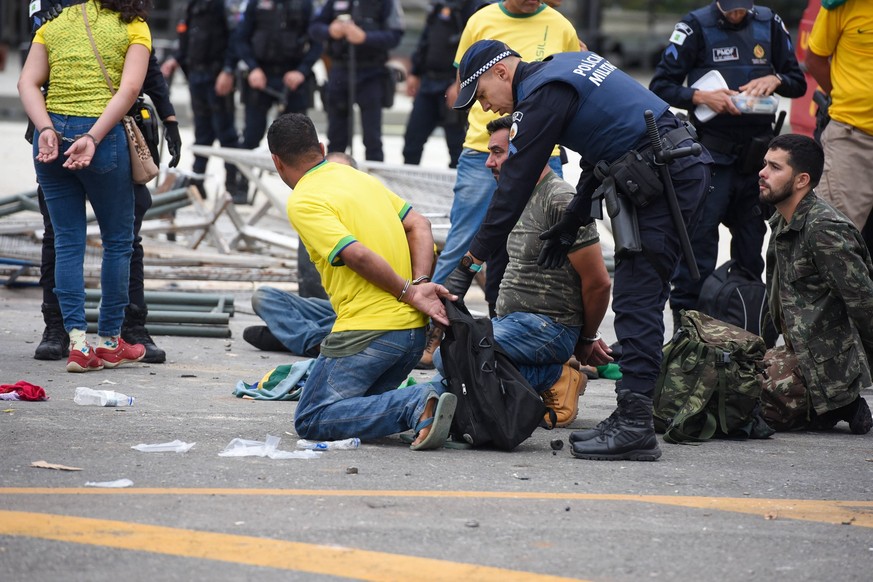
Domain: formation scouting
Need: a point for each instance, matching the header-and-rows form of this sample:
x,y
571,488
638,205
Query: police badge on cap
x,y
481,56
728,5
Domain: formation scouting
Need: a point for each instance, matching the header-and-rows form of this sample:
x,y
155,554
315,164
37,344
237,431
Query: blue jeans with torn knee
x,y
357,395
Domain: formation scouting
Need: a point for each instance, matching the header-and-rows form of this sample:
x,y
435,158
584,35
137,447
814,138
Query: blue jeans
x,y
357,396
299,323
107,184
536,345
474,187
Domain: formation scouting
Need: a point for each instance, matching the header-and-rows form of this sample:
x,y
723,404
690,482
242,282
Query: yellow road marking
x,y
317,559
859,513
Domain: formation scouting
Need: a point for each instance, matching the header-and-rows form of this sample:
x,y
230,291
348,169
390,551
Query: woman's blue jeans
x,y
357,395
108,185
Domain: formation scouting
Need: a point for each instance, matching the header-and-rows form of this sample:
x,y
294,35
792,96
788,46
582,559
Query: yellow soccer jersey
x,y
76,83
334,206
533,36
846,32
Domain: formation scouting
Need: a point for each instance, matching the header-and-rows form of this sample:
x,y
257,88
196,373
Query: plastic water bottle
x,y
88,397
345,444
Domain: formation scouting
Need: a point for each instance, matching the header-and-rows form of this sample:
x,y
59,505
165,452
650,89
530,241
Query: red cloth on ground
x,y
25,390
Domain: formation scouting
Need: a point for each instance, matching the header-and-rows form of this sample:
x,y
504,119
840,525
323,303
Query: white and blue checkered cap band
x,y
485,67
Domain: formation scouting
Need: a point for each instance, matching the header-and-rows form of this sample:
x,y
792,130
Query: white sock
x,y
78,341
110,342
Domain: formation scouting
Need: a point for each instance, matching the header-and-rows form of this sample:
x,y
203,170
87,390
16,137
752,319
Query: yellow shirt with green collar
x,y
78,86
846,34
334,206
534,36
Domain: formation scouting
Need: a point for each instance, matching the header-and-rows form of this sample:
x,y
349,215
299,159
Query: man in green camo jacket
x,y
820,280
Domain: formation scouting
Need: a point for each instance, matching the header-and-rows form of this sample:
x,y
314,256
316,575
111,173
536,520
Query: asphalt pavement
x,y
798,506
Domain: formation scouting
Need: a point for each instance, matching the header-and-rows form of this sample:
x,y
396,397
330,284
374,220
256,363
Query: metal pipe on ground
x,y
173,317
170,307
180,330
173,297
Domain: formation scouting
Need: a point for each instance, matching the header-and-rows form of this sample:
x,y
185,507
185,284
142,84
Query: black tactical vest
x,y
444,32
207,35
279,34
368,15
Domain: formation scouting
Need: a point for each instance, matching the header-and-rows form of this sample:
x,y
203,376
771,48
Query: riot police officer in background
x,y
274,43
203,50
751,48
433,71
358,35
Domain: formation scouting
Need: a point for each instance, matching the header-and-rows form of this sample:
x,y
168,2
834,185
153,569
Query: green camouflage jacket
x,y
820,282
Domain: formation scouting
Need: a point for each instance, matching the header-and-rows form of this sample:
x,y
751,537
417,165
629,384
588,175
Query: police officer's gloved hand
x,y
174,141
558,239
458,282
51,9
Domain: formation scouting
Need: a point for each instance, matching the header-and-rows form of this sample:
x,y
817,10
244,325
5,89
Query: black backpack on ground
x,y
496,405
733,295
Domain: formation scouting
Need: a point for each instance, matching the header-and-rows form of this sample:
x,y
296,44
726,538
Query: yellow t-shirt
x,y
76,83
846,33
533,36
334,206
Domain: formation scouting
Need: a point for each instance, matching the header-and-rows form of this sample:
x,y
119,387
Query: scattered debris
x,y
175,446
47,465
117,484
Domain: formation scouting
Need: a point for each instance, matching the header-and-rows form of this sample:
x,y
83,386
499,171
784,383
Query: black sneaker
x,y
262,338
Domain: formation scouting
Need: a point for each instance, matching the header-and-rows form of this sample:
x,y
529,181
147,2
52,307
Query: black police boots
x,y
55,343
133,331
628,433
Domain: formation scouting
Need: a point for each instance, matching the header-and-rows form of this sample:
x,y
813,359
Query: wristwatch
x,y
467,263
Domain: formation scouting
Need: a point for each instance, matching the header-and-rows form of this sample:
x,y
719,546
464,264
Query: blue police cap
x,y
481,56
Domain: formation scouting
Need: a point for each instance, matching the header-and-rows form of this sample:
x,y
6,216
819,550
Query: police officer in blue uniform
x,y
203,49
583,102
433,71
54,344
358,35
273,41
751,48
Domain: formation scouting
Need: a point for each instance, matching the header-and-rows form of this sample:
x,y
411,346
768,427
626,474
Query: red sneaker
x,y
123,354
84,360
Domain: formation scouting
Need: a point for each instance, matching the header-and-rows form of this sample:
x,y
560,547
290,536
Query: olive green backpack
x,y
709,385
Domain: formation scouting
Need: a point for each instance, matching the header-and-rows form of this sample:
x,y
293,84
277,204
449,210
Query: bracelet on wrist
x,y
405,289
422,279
589,340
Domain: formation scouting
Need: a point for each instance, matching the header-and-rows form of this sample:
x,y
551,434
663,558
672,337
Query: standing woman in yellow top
x,y
81,152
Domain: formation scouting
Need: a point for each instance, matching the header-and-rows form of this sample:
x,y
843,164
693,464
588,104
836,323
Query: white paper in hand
x,y
708,82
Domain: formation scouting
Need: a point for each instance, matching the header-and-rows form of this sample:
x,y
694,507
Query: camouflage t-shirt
x,y
527,287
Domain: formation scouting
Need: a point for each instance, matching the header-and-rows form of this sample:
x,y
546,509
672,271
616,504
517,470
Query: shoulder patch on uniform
x,y
513,130
684,28
517,115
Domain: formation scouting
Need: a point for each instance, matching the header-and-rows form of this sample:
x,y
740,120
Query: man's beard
x,y
774,197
